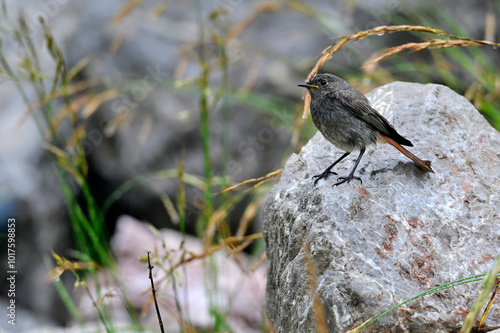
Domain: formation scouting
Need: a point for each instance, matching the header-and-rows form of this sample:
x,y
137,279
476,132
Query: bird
x,y
345,118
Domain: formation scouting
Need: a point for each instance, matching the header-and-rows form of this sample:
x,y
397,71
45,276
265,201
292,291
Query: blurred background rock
x,y
142,60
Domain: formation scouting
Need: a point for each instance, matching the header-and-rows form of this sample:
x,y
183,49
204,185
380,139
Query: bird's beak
x,y
307,85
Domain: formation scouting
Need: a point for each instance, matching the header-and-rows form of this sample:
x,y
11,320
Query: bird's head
x,y
324,84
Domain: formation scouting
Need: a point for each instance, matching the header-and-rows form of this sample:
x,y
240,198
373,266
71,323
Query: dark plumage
x,y
345,118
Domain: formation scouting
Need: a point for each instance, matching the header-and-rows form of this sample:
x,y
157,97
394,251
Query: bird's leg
x,y
351,175
328,171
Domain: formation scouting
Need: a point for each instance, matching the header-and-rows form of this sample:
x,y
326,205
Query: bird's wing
x,y
359,106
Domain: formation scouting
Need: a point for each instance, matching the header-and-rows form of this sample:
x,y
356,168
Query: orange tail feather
x,y
426,165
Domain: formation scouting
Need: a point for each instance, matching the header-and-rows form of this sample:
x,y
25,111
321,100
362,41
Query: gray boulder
x,y
399,233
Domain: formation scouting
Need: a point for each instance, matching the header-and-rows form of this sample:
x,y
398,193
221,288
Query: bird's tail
x,y
426,165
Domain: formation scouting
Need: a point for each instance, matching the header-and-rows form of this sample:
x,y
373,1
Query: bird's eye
x,y
323,82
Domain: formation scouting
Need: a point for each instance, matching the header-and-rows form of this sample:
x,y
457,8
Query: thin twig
x,y
153,290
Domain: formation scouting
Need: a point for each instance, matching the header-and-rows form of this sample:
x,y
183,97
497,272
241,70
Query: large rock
x,y
399,233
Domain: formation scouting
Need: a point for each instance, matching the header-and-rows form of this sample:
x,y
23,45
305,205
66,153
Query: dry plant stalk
x,y
248,215
125,10
216,221
228,242
318,312
381,30
243,24
488,306
488,284
358,328
64,265
431,44
258,262
274,174
268,6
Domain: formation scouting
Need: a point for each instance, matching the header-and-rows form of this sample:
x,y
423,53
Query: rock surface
x,y
400,233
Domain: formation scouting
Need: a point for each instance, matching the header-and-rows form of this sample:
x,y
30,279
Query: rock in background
x,y
238,293
400,233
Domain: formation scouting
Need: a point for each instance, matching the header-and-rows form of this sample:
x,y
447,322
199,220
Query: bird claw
x,y
347,179
324,175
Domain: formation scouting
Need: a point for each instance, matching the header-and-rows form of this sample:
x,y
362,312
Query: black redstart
x,y
345,118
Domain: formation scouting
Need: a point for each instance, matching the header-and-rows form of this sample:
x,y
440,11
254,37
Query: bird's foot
x,y
324,175
342,180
